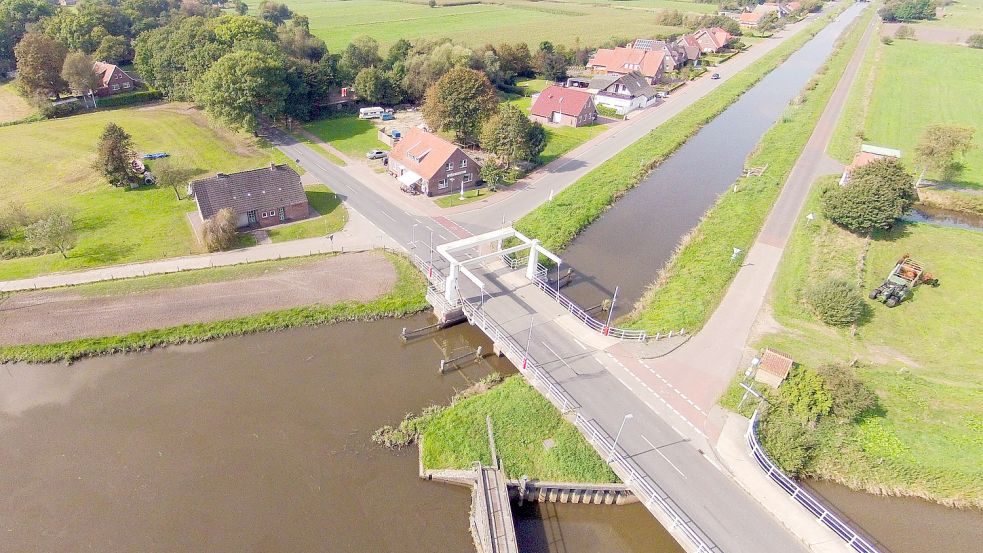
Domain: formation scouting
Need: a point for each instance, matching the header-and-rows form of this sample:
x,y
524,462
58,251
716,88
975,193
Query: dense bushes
x,y
907,10
836,302
129,99
219,231
875,196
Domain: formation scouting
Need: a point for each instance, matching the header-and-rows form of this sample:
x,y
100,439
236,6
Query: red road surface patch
x,y
454,228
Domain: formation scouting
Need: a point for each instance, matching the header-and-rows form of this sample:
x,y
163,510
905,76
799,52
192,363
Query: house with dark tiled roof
x,y
426,162
570,107
260,197
112,79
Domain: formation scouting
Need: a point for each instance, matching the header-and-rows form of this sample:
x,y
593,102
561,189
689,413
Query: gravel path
x,y
49,316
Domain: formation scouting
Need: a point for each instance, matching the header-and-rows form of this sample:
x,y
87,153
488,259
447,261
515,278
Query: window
x,y
467,178
464,163
442,183
450,165
115,87
126,85
263,215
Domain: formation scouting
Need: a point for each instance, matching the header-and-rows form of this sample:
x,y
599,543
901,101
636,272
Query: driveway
x,y
59,315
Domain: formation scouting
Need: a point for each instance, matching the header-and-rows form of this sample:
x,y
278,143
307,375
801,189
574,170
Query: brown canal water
x,y
904,524
258,443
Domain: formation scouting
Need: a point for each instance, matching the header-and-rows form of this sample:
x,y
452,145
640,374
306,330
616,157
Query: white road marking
x,y
391,218
663,455
583,347
547,346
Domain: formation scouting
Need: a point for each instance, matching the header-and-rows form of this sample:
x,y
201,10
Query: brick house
x,y
570,107
260,197
426,162
112,79
712,39
621,61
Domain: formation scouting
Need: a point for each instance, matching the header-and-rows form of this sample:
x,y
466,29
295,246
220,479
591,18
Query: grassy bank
x,y
407,296
349,134
454,437
696,278
557,223
923,359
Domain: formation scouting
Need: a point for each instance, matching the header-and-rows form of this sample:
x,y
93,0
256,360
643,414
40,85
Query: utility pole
x,y
611,310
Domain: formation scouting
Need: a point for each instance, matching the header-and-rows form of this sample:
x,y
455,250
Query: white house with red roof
x,y
112,79
621,61
561,106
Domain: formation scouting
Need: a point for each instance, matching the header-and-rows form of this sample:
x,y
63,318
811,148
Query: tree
x,y
218,232
975,40
39,63
54,231
549,63
114,154
175,57
113,49
296,40
242,8
361,52
904,32
397,53
511,136
77,72
514,60
875,196
836,302
172,173
429,62
377,86
242,87
907,10
460,101
274,12
939,146
15,15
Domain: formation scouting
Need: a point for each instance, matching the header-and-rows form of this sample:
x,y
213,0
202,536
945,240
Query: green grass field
x,y
332,219
349,134
52,165
522,420
961,14
923,358
560,140
337,22
12,105
928,84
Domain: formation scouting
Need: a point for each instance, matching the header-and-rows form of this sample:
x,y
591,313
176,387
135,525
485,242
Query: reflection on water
x,y
945,217
257,443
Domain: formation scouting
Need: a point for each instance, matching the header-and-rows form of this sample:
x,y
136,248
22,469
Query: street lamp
x,y
413,234
616,438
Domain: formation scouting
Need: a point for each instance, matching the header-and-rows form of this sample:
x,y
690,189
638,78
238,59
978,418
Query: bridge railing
x,y
626,469
804,498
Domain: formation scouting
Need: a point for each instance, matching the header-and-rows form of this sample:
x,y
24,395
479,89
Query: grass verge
x,y
406,297
301,137
696,278
333,217
349,134
452,200
454,437
557,223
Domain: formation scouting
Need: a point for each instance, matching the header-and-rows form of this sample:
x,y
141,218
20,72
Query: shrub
x,y
219,231
975,40
805,396
904,32
887,40
836,302
875,196
788,443
851,397
129,99
13,218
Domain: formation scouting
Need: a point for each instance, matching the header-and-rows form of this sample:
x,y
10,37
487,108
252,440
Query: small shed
x,y
774,367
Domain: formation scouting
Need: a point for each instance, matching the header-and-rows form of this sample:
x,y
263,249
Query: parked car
x,y
376,154
661,94
715,76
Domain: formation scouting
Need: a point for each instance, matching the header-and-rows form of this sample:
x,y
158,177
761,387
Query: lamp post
x,y
525,358
413,234
614,446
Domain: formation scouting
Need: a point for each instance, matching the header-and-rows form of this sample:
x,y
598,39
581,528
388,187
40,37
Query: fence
x,y
838,526
644,488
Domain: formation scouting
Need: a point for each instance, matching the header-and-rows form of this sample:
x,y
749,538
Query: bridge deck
x,y
492,513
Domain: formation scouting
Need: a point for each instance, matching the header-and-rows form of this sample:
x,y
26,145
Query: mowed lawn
x,y
333,217
12,106
348,133
560,140
337,22
50,164
961,14
920,84
924,358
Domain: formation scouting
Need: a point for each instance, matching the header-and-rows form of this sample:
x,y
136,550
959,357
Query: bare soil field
x,y
66,314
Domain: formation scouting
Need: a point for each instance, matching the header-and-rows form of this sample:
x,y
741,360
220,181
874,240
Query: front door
x,y
557,117
283,215
251,216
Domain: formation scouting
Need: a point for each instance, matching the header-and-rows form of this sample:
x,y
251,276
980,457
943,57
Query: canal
x,y
256,443
646,224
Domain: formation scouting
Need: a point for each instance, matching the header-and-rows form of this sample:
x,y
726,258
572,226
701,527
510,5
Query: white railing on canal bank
x,y
838,526
647,491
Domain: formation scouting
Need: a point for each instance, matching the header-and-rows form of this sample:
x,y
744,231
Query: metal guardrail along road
x,y
838,526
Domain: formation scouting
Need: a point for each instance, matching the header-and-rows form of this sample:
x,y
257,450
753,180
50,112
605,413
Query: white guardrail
x,y
641,485
838,526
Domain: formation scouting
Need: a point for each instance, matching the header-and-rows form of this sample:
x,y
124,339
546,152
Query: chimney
x,y
272,166
221,175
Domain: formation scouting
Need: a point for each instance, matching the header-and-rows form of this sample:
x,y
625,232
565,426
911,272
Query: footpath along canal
x,y
257,443
628,245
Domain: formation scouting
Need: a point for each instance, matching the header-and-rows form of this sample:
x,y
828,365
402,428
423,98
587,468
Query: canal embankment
x,y
194,306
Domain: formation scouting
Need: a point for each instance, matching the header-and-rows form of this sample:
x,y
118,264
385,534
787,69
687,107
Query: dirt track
x,y
60,315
